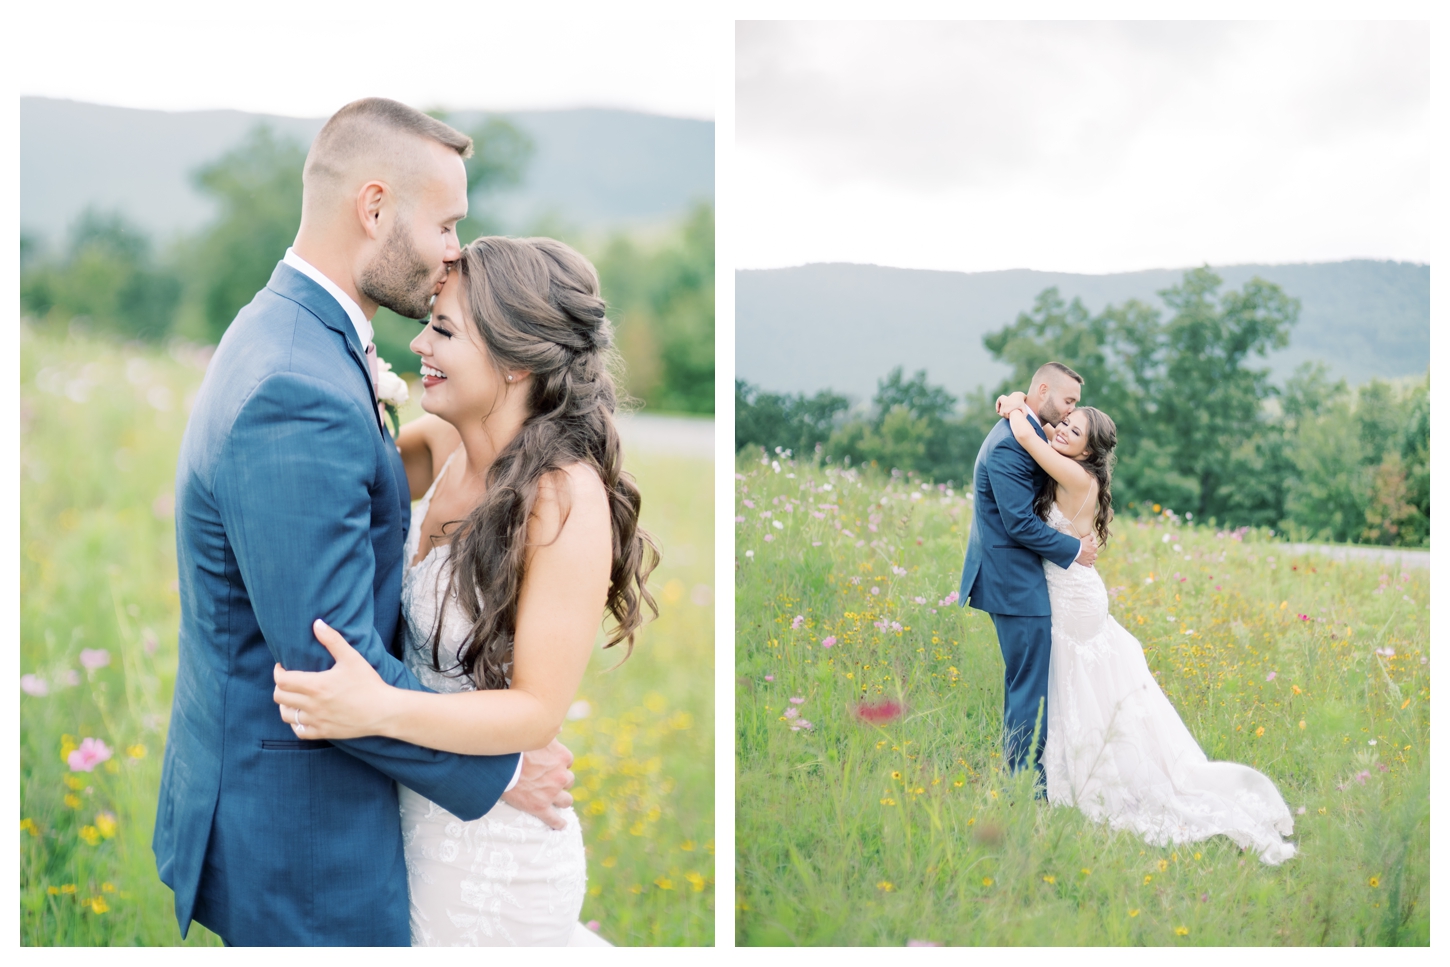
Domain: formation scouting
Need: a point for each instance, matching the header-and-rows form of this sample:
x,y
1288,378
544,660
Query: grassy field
x,y
101,423
854,832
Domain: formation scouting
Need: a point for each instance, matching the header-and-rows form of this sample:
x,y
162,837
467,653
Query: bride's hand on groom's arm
x,y
1015,400
348,700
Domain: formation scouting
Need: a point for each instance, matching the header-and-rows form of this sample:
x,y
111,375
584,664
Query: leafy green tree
x,y
501,156
258,190
662,302
793,422
108,276
1188,404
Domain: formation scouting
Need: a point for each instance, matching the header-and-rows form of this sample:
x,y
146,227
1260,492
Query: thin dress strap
x,y
1074,516
421,514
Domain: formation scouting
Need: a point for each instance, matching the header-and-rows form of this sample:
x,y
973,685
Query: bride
x,y
525,533
1116,747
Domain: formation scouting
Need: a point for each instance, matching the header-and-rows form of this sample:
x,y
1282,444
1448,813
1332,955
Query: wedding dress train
x,y
1117,749
506,878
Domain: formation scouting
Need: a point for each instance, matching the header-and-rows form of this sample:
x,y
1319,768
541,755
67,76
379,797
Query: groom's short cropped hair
x,y
1056,369
370,127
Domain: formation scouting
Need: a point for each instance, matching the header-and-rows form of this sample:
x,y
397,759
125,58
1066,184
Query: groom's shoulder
x,y
1000,440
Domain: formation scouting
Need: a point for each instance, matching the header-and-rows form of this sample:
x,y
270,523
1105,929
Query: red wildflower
x,y
877,713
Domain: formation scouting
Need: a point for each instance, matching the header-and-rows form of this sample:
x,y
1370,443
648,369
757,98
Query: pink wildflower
x,y
796,623
875,590
797,700
33,685
594,924
91,753
93,658
1271,676
770,678
829,641
1362,776
791,713
70,677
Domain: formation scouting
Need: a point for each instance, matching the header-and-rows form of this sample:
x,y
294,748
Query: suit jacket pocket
x,y
295,745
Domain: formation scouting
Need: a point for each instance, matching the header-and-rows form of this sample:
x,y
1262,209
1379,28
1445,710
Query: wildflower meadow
x,y
101,422
872,806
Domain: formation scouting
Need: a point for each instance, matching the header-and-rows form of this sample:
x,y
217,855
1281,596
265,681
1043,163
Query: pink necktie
x,y
376,370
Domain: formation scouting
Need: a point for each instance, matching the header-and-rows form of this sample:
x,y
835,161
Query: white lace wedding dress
x,y
504,879
1117,749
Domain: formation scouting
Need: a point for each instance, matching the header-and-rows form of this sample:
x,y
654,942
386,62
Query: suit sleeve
x,y
293,489
1010,471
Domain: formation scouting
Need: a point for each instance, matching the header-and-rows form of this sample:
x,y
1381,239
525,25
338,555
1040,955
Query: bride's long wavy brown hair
x,y
536,303
1099,457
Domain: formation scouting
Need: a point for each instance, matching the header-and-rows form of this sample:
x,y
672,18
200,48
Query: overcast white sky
x,y
1088,147
461,56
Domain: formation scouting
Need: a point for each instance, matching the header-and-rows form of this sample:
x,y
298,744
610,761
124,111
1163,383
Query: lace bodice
x,y
424,587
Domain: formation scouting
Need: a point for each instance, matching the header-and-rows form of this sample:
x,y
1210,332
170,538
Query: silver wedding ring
x,y
297,717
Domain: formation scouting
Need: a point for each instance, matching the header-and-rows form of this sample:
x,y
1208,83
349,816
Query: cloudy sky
x,y
1088,147
461,56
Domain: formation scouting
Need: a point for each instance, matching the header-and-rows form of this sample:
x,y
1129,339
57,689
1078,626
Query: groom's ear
x,y
371,200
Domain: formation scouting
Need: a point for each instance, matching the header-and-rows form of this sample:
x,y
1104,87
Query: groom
x,y
1003,573
292,505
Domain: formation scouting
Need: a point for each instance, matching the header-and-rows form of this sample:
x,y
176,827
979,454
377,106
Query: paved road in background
x,y
681,436
1389,555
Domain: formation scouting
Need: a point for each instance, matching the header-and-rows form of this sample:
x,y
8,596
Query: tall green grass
x,y
1314,672
101,423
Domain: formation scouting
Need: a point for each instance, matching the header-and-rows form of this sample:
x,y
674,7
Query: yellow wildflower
x,y
665,883
986,881
72,800
28,826
106,824
1374,882
90,835
67,888
99,905
137,751
1162,866
1181,931
885,886
1049,879
696,881
1134,912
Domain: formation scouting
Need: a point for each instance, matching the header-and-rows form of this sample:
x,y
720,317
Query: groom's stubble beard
x,y
1048,412
398,279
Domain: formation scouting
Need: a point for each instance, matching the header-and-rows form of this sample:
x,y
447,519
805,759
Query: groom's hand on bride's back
x,y
1089,552
542,789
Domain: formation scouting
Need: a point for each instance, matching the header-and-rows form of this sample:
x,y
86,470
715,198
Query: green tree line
x,y
111,277
1202,428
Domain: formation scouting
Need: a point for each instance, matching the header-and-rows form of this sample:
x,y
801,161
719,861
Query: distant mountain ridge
x,y
593,168
844,326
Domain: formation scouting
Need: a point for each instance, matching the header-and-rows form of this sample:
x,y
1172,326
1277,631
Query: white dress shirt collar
x,y
354,311
1026,408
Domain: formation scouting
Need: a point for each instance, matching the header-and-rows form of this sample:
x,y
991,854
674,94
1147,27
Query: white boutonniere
x,y
392,392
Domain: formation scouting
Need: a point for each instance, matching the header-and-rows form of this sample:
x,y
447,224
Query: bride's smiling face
x,y
1071,437
461,384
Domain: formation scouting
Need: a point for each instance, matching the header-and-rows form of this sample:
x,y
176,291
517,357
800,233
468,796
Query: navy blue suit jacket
x,y
291,504
1003,570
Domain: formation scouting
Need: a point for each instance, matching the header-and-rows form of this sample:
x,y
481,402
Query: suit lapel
x,y
288,282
